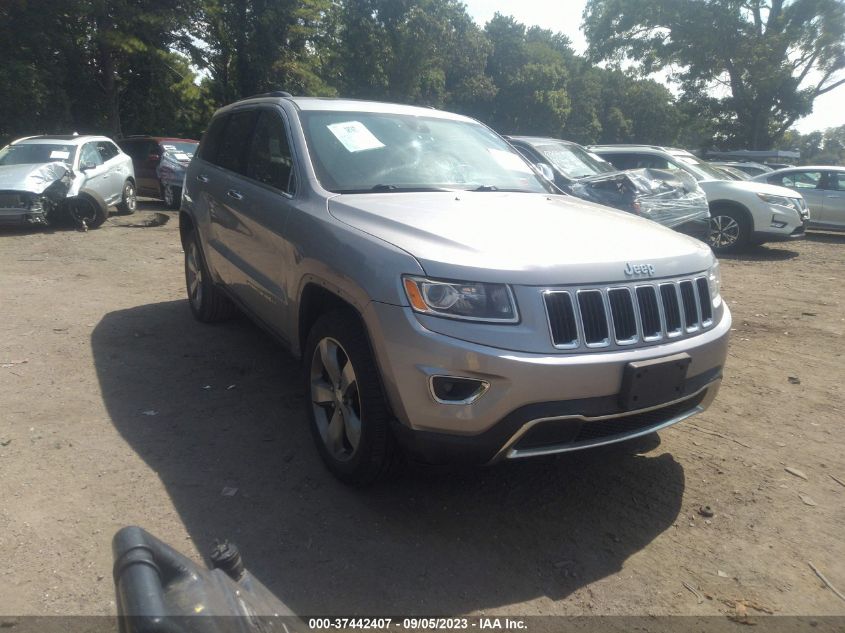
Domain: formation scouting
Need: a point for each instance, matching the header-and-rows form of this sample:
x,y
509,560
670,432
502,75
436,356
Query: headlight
x,y
714,281
467,300
781,201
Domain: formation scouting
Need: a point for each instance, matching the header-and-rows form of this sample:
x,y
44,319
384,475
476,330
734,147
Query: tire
x,y
128,199
350,419
207,302
729,230
171,195
86,212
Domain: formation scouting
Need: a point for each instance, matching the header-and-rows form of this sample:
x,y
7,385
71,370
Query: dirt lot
x,y
118,408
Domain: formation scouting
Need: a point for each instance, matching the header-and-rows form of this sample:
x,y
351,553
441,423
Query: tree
x,y
413,51
770,58
529,68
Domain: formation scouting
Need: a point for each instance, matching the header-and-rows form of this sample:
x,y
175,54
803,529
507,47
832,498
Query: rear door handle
x,y
202,178
237,195
834,196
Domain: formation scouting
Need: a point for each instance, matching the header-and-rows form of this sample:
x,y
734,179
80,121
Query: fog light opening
x,y
456,390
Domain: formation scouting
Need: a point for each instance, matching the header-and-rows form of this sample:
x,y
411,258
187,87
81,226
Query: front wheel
x,y
86,212
350,419
729,230
128,199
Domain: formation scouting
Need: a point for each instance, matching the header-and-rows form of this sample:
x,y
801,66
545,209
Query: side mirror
x,y
546,171
85,166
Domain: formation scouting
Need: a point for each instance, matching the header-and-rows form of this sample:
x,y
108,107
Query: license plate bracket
x,y
648,383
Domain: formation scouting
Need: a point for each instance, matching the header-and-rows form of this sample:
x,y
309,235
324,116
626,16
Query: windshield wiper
x,y
385,188
485,188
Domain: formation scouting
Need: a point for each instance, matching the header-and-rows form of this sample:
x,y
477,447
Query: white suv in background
x,y
741,212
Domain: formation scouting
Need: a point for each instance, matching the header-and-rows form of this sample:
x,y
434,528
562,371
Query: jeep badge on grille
x,y
639,270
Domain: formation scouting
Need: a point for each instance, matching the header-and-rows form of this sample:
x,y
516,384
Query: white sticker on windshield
x,y
169,148
355,136
182,156
59,155
509,160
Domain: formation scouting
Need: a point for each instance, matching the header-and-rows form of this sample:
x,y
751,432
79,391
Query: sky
x,y
565,16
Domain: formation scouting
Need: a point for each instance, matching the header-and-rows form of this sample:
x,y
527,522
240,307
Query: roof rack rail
x,y
274,93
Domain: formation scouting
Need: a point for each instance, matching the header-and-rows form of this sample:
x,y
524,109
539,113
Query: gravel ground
x,y
118,408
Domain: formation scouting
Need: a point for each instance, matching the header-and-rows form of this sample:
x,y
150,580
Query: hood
x,y
749,186
31,178
519,238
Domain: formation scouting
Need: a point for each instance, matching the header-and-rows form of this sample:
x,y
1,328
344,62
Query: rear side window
x,y
107,150
837,181
232,152
270,158
801,179
211,139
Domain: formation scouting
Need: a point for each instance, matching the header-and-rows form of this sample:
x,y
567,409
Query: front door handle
x,y
834,196
202,178
236,195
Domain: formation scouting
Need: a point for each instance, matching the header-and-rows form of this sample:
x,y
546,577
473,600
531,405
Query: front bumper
x,y
525,389
22,217
776,224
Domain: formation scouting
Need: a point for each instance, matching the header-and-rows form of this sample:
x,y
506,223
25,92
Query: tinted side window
x,y
233,148
107,150
270,159
621,161
210,142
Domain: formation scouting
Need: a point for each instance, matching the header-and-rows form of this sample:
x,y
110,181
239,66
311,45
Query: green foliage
x,y
817,148
163,66
768,58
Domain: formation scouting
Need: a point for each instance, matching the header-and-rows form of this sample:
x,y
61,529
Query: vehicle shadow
x,y
761,253
218,413
828,237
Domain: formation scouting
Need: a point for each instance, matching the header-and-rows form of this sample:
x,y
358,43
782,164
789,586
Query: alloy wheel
x,y
193,275
335,399
129,197
724,231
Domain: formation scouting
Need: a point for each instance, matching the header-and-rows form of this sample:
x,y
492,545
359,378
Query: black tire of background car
x,y
128,199
378,457
87,208
171,195
214,306
744,229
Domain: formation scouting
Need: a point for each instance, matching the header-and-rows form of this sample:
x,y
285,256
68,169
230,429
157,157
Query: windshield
x,y
179,148
37,153
355,152
573,161
701,171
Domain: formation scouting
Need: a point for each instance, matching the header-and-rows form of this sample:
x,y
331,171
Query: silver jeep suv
x,y
445,303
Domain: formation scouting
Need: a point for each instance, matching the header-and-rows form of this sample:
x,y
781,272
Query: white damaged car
x,y
45,177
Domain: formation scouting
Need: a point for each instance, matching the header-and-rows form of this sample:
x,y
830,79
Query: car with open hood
x,y
672,199
742,212
44,177
446,301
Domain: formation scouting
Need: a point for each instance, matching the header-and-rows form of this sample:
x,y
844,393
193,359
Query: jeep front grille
x,y
628,314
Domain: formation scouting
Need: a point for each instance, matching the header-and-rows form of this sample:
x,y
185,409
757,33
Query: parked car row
x,y
81,177
453,294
